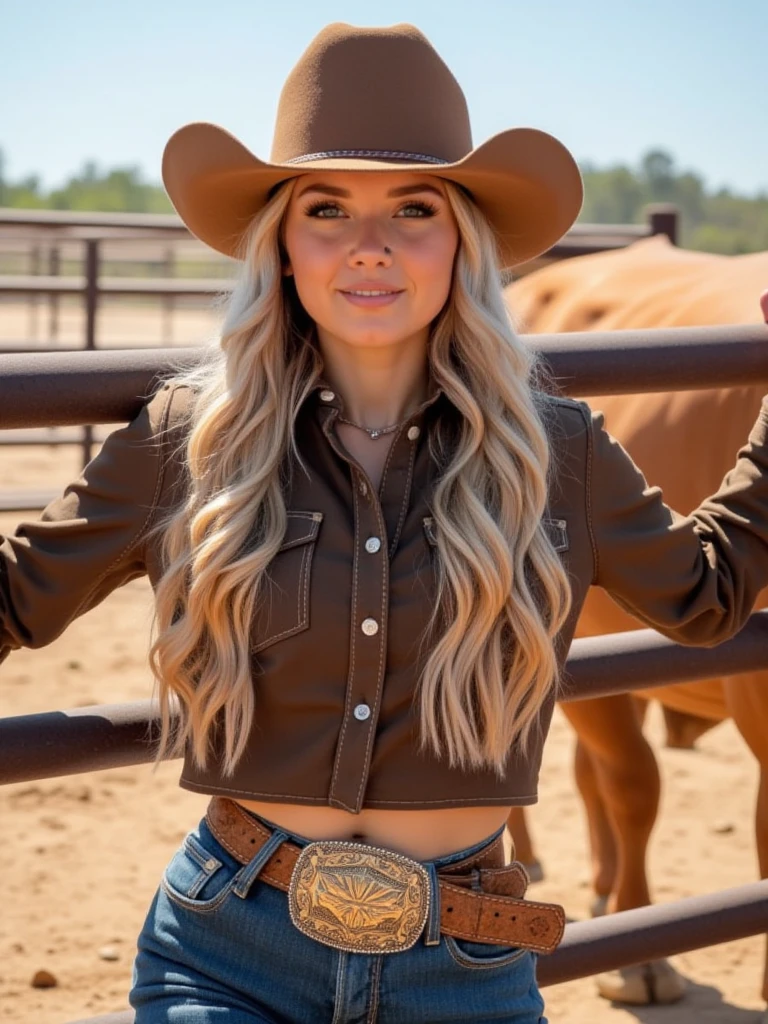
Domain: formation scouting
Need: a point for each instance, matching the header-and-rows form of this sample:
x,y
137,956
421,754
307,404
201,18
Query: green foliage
x,y
121,190
715,222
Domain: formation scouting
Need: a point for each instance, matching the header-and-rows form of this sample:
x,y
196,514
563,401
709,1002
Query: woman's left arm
x,y
694,578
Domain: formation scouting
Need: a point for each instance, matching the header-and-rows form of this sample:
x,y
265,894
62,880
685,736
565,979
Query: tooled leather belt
x,y
481,897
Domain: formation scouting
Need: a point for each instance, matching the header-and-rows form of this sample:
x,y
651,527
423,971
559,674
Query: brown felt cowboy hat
x,y
375,99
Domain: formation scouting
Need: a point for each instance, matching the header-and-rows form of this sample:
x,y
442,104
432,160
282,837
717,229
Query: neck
x,y
378,392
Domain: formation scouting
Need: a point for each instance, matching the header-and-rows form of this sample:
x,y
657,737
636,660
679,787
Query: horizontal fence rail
x,y
630,936
85,739
45,389
39,284
661,218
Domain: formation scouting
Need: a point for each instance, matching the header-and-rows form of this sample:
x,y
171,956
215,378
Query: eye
x,y
417,209
323,209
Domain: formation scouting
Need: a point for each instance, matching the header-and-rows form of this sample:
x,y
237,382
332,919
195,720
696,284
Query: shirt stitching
x,y
588,496
141,531
353,630
380,674
303,590
455,801
388,461
405,502
205,786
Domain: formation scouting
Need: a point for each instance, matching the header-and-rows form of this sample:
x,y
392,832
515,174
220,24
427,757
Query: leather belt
x,y
481,898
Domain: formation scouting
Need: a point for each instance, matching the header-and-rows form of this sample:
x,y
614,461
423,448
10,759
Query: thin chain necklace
x,y
374,432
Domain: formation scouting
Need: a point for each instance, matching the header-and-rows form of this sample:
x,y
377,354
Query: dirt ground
x,y
82,855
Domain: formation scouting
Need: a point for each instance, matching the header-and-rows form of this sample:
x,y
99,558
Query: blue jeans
x,y
218,945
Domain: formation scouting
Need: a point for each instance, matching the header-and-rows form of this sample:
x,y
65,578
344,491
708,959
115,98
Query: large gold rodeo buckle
x,y
359,898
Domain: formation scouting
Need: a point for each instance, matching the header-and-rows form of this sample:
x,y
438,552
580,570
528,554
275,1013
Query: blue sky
x,y
110,81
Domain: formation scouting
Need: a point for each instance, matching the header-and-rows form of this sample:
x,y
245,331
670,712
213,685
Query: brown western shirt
x,y
336,655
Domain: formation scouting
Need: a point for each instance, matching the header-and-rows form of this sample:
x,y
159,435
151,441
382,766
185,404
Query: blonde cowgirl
x,y
369,536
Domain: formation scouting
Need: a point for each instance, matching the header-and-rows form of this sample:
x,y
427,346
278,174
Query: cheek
x,y
313,263
432,263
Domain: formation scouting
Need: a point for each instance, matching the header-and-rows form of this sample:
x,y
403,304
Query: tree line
x,y
714,221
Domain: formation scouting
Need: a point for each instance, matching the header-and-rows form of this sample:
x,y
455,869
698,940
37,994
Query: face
x,y
350,233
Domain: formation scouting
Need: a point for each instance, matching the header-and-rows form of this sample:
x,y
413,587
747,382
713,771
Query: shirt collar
x,y
330,399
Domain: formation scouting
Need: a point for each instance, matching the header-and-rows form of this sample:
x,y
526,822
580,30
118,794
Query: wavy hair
x,y
502,592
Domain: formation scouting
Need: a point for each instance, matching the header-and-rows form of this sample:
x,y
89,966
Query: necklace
x,y
374,432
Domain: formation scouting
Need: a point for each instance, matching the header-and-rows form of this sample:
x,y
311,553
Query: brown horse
x,y
684,442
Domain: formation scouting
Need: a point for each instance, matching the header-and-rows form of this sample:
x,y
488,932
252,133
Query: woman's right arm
x,y
93,538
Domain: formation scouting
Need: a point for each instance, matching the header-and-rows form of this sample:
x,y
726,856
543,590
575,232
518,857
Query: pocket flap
x,y
557,531
302,527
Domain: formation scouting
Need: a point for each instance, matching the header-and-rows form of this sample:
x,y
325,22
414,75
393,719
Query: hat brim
x,y
525,181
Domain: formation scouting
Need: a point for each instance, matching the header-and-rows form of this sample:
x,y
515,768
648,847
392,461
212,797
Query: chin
x,y
371,338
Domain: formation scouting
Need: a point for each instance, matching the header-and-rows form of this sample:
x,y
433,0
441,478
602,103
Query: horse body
x,y
684,442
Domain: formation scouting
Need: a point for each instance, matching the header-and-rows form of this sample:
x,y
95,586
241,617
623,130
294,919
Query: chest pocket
x,y
557,531
284,608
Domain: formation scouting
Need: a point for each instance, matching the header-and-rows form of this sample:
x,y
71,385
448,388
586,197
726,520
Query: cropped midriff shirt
x,y
336,649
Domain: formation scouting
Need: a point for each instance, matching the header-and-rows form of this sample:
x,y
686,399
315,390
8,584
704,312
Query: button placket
x,y
367,661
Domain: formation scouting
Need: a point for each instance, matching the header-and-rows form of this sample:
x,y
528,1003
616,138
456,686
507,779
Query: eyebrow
x,y
394,193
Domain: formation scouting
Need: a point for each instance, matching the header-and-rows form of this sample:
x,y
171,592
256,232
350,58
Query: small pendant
x,y
375,433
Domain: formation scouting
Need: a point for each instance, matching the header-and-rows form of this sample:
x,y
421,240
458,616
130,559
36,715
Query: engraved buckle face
x,y
359,898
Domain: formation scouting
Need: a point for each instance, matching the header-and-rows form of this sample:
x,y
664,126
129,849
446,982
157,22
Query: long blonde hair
x,y
502,592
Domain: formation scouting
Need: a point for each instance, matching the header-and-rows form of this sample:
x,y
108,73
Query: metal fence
x,y
67,388
40,238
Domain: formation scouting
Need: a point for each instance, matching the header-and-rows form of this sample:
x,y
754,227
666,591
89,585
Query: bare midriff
x,y
420,834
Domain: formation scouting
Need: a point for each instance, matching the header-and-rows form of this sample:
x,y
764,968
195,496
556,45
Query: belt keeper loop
x,y
251,871
432,928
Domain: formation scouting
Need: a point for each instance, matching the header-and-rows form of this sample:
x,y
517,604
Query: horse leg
x,y
626,777
747,701
602,845
523,844
683,729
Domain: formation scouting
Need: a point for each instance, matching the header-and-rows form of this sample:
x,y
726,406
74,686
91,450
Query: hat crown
x,y
360,90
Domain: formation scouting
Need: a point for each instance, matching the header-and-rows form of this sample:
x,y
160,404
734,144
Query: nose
x,y
369,248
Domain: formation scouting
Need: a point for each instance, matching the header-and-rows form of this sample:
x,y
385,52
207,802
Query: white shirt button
x,y
370,627
327,396
372,545
361,712
413,433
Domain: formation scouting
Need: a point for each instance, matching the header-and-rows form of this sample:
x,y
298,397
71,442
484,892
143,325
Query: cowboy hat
x,y
375,99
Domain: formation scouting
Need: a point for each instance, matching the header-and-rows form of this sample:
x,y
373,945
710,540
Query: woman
x,y
369,535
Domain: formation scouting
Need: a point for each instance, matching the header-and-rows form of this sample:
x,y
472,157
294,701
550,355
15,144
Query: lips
x,y
370,290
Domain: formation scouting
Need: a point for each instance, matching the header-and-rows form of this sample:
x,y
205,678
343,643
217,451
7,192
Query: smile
x,y
371,297
362,291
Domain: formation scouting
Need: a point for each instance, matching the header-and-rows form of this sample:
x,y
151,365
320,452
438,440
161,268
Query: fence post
x,y
169,301
91,312
663,219
34,300
54,269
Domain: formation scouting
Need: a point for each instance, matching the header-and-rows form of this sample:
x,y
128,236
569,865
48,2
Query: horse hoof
x,y
599,907
642,984
534,870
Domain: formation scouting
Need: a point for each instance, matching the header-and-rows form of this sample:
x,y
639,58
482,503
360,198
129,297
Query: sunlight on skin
x,y
356,230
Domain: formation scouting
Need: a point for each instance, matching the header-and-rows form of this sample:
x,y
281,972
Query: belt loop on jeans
x,y
253,868
432,927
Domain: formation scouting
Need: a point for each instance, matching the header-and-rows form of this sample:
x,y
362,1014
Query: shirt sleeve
x,y
90,540
693,578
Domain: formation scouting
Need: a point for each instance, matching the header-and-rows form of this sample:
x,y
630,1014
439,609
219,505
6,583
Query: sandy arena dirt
x,y
82,855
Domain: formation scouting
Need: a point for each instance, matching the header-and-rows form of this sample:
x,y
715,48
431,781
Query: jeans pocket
x,y
197,878
482,956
